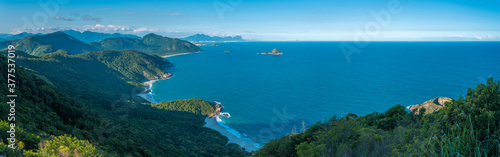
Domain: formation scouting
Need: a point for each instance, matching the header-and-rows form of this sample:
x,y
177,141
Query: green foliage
x,y
196,106
42,44
48,43
89,36
482,104
87,97
464,127
308,149
67,145
132,64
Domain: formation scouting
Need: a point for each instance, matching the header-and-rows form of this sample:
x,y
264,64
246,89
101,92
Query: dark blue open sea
x,y
268,95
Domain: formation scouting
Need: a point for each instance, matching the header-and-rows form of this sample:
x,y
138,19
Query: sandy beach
x,y
178,54
147,94
148,97
248,144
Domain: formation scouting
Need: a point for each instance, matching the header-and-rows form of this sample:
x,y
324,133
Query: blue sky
x,y
268,20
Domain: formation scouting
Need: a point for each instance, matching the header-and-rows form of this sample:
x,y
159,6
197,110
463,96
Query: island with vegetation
x,y
275,51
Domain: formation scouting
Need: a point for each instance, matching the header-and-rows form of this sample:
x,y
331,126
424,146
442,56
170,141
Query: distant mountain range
x,y
48,43
202,38
87,104
6,37
42,44
151,44
85,37
89,36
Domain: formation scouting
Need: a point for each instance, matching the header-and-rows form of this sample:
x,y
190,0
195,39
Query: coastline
x,y
178,54
211,122
246,143
147,93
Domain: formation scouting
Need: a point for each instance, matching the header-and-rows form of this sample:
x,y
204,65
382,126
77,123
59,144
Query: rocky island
x,y
275,51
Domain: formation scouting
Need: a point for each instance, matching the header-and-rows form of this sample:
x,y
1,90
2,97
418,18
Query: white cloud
x,y
105,28
486,37
144,29
95,28
40,30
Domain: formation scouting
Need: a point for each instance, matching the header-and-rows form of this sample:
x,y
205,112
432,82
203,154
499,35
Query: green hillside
x,y
469,126
133,64
196,106
89,36
42,44
73,99
52,42
151,44
41,111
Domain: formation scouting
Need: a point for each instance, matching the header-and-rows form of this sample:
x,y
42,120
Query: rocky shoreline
x,y
148,84
430,106
146,94
218,109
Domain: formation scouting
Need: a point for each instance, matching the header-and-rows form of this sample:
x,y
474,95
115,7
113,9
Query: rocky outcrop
x,y
218,109
275,51
430,106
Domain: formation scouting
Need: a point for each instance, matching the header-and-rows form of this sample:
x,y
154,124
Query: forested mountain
x,y
5,37
132,64
86,36
469,126
151,44
207,38
42,44
89,36
196,106
86,105
4,44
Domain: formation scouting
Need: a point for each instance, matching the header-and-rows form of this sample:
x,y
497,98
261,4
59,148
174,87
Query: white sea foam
x,y
408,107
236,133
229,129
225,113
152,97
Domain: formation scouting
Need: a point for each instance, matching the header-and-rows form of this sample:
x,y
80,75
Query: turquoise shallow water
x,y
268,95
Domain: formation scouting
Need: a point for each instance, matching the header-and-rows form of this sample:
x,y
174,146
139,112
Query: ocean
x,y
269,96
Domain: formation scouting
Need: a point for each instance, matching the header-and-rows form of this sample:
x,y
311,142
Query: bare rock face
x,y
430,106
218,109
167,75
